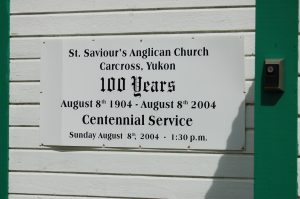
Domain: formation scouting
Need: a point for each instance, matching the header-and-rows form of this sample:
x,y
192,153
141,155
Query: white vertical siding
x,y
38,172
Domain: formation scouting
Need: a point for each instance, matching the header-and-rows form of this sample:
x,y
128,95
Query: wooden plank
x,y
29,115
33,6
24,115
25,70
25,47
250,68
250,141
249,85
29,70
163,164
28,92
298,90
299,50
24,137
250,116
298,135
31,47
298,163
29,137
129,186
171,21
21,196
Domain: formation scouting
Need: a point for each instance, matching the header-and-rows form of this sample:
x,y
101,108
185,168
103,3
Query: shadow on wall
x,y
237,185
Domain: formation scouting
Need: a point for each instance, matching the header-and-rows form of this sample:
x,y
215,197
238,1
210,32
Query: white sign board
x,y
176,92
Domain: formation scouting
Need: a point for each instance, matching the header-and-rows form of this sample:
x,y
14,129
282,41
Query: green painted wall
x,y
275,169
4,96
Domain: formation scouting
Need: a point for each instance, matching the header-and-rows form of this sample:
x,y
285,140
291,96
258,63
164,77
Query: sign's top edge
x,y
138,37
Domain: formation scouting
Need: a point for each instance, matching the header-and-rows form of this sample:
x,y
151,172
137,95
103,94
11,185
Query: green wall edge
x,y
275,159
4,96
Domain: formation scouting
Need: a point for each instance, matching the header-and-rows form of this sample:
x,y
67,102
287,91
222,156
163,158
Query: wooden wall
x,y
38,172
